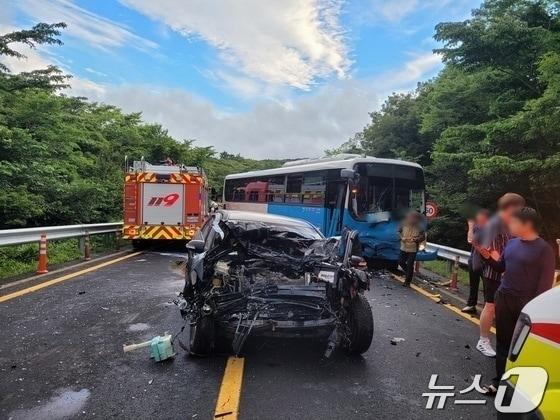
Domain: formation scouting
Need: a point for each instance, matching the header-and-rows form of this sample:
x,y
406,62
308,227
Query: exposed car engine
x,y
266,279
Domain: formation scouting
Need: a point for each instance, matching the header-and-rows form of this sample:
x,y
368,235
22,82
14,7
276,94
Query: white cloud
x,y
289,42
394,10
300,126
96,72
34,59
38,58
412,71
96,30
303,126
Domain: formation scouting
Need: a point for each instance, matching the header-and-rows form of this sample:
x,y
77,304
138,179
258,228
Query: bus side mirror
x,y
352,176
347,174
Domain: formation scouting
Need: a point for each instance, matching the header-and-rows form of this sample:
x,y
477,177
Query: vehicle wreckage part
x,y
261,277
201,336
333,342
241,333
161,347
360,324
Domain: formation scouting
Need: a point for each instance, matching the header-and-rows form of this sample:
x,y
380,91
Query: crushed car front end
x,y
271,276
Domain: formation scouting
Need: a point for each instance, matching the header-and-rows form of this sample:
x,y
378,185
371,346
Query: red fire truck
x,y
166,201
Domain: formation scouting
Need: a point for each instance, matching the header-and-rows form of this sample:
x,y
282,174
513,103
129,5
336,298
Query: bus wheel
x,y
378,264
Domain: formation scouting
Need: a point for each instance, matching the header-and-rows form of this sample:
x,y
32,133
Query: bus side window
x,y
314,187
293,189
276,189
254,196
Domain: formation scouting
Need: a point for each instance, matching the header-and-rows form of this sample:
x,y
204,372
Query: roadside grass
x,y
22,259
441,268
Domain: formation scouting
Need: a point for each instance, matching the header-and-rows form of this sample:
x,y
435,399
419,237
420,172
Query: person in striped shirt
x,y
495,236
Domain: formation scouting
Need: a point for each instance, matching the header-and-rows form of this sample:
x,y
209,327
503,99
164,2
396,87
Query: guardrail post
x,y
455,274
42,266
87,248
417,267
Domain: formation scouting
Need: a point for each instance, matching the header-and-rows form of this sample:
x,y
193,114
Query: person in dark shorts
x,y
495,236
474,236
528,264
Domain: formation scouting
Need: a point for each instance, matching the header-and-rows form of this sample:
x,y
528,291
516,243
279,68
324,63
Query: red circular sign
x,y
431,210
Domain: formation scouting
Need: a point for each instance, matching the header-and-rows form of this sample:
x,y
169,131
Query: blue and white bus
x,y
362,193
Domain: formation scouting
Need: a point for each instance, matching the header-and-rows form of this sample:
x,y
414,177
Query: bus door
x,y
335,200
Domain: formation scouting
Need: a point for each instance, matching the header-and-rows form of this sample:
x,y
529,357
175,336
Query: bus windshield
x,y
388,187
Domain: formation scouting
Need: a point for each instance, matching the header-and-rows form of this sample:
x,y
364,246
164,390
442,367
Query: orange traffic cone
x,y
87,249
42,267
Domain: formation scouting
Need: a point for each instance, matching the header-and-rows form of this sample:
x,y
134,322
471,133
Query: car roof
x,y
250,216
544,308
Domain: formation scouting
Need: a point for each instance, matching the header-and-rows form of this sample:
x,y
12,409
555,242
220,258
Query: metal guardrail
x,y
27,235
448,253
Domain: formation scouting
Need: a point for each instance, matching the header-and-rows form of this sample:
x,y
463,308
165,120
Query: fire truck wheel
x,y
139,244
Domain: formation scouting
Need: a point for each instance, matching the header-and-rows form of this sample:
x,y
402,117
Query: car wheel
x,y
360,323
201,336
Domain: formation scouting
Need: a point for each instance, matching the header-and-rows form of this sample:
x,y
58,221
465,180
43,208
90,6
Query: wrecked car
x,y
252,273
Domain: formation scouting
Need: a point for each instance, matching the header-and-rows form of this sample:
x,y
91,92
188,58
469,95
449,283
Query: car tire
x,y
201,336
360,323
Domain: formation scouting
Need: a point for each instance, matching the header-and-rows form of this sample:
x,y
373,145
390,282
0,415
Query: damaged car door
x,y
249,273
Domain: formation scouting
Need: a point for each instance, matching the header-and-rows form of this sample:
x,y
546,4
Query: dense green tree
x,y
62,158
490,121
50,78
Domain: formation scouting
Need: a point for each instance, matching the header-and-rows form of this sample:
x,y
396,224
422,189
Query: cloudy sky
x,y
264,78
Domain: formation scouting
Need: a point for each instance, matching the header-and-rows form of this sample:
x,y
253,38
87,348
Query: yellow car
x,y
536,345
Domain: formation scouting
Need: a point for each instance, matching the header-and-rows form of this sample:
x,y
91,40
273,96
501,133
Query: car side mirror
x,y
196,245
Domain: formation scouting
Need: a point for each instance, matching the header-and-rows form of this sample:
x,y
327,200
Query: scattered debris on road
x,y
161,347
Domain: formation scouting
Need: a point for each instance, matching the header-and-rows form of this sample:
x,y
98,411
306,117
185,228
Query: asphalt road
x,y
61,356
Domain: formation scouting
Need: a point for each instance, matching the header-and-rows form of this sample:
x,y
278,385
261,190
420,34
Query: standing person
x,y
528,265
411,234
474,237
495,236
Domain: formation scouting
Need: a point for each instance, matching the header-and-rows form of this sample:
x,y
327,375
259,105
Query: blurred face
x,y
481,219
506,213
410,219
519,228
